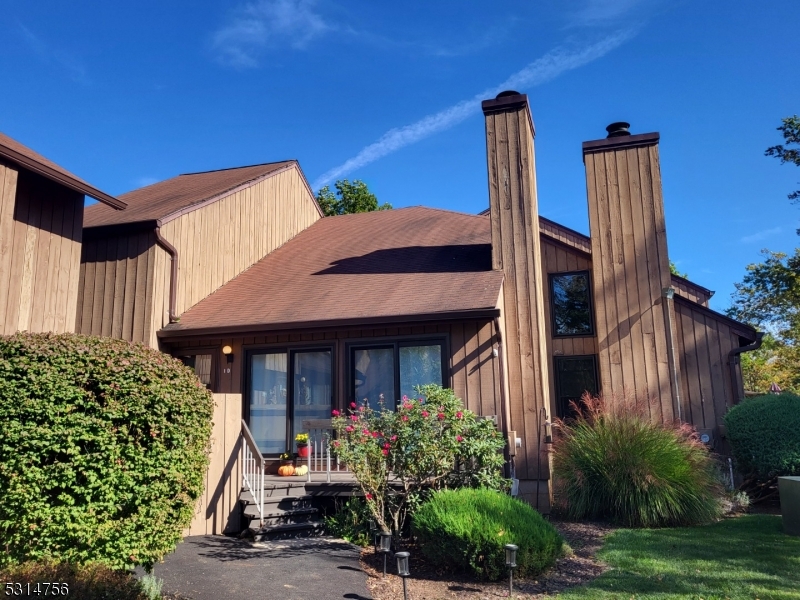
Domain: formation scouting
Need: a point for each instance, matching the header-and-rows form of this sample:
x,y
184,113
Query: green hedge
x,y
764,433
618,465
104,449
467,530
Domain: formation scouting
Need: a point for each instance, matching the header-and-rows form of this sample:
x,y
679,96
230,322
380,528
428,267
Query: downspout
x,y
512,443
733,359
672,361
173,275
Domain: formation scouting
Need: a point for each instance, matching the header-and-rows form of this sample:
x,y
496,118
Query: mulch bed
x,y
426,583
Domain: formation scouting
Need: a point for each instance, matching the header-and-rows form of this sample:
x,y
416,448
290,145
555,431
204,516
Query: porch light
x,y
511,562
228,352
402,570
384,547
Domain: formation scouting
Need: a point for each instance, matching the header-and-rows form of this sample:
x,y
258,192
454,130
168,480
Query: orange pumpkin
x,y
286,470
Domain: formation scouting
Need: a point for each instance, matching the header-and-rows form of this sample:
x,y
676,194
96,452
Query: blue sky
x,y
124,94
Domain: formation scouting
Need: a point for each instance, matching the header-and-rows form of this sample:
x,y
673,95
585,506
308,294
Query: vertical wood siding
x,y
40,242
125,279
516,250
707,389
217,509
630,268
113,287
690,292
217,242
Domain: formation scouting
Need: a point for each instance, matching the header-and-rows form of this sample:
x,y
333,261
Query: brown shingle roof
x,y
168,198
12,150
384,265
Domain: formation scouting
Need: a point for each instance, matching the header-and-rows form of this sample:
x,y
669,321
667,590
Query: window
x,y
570,298
201,364
285,388
574,376
383,373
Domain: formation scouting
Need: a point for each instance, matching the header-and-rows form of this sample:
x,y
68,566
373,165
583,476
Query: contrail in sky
x,y
540,71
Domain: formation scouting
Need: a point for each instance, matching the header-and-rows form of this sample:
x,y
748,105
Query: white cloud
x,y
48,54
264,24
760,235
540,71
594,13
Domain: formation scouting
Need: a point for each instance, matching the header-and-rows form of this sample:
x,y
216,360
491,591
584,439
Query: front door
x,y
285,388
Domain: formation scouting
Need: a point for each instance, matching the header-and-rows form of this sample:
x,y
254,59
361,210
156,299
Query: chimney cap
x,y
618,129
506,94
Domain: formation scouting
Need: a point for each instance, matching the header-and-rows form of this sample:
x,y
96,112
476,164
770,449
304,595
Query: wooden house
x,y
41,217
286,315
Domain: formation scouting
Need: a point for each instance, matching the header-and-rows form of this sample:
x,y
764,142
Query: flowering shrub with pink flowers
x,y
430,442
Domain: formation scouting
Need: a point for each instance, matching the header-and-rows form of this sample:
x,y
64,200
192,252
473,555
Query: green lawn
x,y
748,557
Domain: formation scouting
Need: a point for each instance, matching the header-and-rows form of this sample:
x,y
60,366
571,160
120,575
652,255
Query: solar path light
x,y
402,570
385,546
511,562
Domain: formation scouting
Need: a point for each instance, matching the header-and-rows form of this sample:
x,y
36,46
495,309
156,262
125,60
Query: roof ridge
x,y
274,162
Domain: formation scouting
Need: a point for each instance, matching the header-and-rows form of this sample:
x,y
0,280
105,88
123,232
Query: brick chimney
x,y
516,251
630,269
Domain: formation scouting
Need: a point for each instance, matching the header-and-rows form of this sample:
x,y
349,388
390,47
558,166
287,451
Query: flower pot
x,y
303,451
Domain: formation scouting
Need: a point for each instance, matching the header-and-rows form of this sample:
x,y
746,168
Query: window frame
x,y
590,291
289,350
214,351
395,343
556,359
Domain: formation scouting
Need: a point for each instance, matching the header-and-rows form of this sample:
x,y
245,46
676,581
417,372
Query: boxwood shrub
x,y
103,451
467,530
764,434
616,464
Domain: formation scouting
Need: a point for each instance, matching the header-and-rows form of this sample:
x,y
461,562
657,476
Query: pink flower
x,y
421,400
405,397
375,434
459,438
352,405
336,443
360,409
387,445
349,429
394,437
425,413
405,417
441,416
335,412
385,451
459,414
353,417
368,496
407,405
365,431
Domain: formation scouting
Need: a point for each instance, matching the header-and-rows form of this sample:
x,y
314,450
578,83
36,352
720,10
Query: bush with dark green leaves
x,y
103,450
764,434
467,529
614,463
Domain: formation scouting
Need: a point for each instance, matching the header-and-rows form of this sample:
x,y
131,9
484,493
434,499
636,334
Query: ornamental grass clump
x,y
467,529
612,462
103,452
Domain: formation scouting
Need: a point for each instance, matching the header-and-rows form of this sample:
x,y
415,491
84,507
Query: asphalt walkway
x,y
219,567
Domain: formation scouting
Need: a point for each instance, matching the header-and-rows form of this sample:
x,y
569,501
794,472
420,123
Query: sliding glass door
x,y
276,407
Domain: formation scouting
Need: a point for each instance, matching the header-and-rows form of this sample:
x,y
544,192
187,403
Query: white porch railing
x,y
253,469
321,459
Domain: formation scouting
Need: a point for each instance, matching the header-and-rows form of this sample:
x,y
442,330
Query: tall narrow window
x,y
419,365
373,376
201,364
268,393
571,303
574,376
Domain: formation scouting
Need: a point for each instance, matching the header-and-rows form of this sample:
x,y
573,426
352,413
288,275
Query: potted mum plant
x,y
303,449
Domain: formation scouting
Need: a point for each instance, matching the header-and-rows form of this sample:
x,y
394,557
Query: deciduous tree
x,y
349,198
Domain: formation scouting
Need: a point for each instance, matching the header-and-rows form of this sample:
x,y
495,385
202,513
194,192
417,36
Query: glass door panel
x,y
373,377
419,365
268,401
311,388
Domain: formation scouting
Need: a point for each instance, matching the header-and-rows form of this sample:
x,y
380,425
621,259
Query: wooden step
x,y
294,530
251,512
282,502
